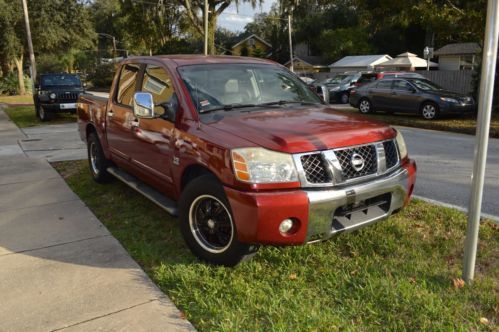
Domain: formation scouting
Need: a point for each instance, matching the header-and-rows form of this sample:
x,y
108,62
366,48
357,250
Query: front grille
x,y
352,162
368,154
70,96
315,168
391,154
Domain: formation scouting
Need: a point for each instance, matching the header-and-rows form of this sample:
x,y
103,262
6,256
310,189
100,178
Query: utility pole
x,y
486,93
30,44
291,66
205,27
114,49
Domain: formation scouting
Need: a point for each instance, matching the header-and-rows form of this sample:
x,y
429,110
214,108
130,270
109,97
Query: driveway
x,y
445,163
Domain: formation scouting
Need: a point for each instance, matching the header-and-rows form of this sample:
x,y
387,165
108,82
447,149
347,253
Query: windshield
x,y
338,79
61,80
426,85
214,86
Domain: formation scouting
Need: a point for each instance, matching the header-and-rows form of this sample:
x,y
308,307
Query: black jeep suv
x,y
56,93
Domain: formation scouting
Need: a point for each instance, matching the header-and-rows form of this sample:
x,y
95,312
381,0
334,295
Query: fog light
x,y
286,225
52,96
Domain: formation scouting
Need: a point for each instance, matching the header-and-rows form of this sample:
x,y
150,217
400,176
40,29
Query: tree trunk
x,y
212,27
20,74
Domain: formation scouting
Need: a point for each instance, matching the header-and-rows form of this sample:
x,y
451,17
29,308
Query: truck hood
x,y
302,130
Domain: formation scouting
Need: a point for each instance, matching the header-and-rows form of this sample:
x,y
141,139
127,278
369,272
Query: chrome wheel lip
x,y
196,233
429,111
93,157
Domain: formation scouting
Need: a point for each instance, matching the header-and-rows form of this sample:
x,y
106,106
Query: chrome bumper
x,y
324,203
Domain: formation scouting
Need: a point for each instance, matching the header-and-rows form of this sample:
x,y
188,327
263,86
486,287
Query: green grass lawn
x,y
24,99
464,125
395,275
25,116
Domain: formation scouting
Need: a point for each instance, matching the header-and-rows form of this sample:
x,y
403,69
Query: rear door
x,y
404,96
381,94
152,139
120,112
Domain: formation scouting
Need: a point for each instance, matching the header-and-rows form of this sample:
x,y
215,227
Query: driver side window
x,y
158,83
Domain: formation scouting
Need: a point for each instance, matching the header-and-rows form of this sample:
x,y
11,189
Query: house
x,y
252,46
308,64
358,63
460,56
406,61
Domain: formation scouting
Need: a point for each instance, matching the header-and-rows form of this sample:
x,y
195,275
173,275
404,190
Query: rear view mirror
x,y
143,105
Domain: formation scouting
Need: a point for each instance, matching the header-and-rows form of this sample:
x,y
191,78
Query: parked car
x,y
339,86
243,152
307,80
410,95
369,77
56,93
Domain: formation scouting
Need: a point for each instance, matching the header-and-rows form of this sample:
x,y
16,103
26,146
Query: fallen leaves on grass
x,y
458,283
293,276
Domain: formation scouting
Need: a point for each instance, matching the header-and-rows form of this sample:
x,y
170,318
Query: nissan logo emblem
x,y
357,162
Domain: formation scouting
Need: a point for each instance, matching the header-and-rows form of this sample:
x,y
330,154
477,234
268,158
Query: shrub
x,y
102,75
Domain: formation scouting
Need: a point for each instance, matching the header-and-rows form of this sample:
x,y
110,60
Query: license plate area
x,y
67,106
351,215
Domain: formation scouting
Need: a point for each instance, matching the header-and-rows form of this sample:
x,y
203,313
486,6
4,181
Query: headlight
x,y
401,145
52,95
258,165
336,88
449,100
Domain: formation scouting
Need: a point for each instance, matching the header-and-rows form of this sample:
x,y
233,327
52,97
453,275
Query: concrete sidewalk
x,y
60,268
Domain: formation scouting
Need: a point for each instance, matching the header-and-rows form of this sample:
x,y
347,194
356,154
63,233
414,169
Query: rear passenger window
x,y
158,83
127,84
384,85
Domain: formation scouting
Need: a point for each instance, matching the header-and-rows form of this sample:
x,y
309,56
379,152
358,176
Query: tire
x,y
344,98
429,111
42,114
207,225
97,162
365,106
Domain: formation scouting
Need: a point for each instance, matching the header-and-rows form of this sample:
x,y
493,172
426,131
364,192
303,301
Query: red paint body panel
x,y
258,215
148,151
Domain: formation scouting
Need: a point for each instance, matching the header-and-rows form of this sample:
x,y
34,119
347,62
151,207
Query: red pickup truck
x,y
243,152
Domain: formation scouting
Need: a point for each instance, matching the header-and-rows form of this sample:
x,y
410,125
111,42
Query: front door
x,y
152,150
404,96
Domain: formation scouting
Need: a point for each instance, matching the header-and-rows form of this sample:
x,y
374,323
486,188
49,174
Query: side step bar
x,y
155,196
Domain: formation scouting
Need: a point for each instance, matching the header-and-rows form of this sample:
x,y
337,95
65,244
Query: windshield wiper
x,y
284,102
228,107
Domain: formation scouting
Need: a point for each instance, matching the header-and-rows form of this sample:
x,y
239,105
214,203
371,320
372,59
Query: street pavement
x,y
445,164
60,268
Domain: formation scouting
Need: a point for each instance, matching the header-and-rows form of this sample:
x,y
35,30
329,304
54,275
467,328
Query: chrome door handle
x,y
134,124
110,114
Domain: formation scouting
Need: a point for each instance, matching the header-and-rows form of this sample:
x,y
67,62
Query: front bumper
x,y
454,108
63,107
320,213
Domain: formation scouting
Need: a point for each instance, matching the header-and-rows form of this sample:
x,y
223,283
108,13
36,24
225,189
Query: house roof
x,y
361,60
406,59
252,36
311,60
458,49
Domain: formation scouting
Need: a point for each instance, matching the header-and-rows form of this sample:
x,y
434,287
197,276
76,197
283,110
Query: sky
x,y
235,20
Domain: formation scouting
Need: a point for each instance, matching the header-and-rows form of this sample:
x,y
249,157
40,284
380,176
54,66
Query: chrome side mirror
x,y
143,105
323,92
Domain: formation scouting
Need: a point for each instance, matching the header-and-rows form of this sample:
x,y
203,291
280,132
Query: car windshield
x,y
338,79
426,85
61,80
227,86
